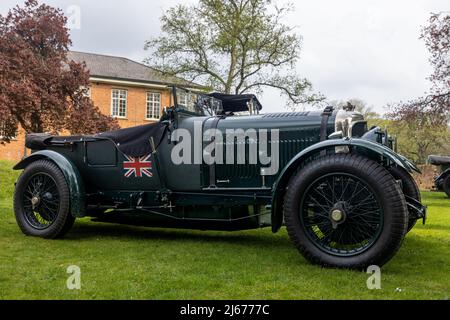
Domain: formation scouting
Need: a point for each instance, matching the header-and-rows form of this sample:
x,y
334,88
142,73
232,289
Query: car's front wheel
x,y
42,201
345,211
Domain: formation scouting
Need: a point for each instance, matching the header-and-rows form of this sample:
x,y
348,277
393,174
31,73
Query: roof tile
x,y
112,67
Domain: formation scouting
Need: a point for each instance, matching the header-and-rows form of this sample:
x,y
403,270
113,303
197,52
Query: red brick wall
x,y
101,94
15,150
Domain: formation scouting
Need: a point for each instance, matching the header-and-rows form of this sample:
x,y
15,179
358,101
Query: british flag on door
x,y
138,167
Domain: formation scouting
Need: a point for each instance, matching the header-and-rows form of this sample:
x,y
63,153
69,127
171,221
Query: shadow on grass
x,y
100,230
262,242
436,198
444,206
436,227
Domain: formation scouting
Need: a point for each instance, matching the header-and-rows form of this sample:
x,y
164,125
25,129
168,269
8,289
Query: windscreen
x,y
187,100
198,103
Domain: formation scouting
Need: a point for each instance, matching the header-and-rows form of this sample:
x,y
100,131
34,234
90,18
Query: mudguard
x,y
361,146
71,173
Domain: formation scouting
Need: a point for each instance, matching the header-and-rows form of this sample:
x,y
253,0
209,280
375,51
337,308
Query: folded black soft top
x,y
134,141
38,141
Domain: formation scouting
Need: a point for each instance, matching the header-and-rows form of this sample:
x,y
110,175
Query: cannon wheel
x,y
345,211
42,201
410,189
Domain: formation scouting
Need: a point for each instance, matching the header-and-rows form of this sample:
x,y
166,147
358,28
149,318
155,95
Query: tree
x,y
418,144
40,89
232,46
360,106
427,118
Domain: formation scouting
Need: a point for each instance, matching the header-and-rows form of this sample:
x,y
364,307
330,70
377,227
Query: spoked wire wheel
x,y
345,211
341,214
41,201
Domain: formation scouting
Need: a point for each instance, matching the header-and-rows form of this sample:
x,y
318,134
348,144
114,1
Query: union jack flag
x,y
138,167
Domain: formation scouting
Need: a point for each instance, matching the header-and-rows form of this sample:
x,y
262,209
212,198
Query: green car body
x,y
209,196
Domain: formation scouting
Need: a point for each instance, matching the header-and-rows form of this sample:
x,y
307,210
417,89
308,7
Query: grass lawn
x,y
121,262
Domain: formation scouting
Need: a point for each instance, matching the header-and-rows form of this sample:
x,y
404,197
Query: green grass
x,y
121,262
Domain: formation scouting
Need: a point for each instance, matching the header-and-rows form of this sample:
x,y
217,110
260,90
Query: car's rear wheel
x,y
446,185
42,201
345,211
410,189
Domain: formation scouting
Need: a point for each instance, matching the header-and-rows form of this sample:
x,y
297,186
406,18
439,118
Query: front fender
x,y
361,146
71,173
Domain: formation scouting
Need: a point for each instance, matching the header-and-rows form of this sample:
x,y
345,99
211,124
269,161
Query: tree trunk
x,y
232,70
36,124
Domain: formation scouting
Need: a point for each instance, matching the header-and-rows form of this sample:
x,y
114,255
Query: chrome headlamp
x,y
350,123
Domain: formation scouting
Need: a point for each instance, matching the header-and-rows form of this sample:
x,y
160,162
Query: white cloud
x,y
365,49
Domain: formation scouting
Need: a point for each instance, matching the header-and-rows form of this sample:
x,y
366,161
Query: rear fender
x,y
366,148
71,173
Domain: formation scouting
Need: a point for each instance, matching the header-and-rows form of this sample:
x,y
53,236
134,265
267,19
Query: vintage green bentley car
x,y
215,163
442,180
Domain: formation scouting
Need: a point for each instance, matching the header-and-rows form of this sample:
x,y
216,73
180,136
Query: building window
x,y
153,106
183,99
119,103
186,100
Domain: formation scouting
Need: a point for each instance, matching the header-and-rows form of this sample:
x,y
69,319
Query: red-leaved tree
x,y
40,89
426,119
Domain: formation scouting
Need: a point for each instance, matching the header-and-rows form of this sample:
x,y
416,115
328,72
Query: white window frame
x,y
183,96
187,103
154,105
119,99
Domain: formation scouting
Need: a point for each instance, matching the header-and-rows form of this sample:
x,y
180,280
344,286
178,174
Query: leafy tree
x,y
426,119
40,89
232,46
417,144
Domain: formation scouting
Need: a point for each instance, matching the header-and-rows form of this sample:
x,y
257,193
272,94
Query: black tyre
x,y
410,189
446,185
42,201
345,211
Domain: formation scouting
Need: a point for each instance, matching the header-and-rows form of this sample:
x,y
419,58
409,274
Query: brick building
x,y
132,92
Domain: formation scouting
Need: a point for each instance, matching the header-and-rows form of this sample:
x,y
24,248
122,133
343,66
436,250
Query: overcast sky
x,y
352,49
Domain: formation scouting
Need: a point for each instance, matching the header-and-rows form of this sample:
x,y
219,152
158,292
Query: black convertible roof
x,y
236,102
439,160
